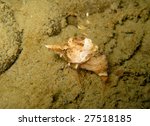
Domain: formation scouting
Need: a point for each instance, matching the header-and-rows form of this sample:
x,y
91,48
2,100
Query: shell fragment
x,y
80,52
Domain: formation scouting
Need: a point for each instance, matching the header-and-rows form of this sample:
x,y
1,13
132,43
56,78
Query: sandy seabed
x,y
33,77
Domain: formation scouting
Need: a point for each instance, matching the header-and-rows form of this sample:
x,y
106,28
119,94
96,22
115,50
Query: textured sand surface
x,y
10,37
40,79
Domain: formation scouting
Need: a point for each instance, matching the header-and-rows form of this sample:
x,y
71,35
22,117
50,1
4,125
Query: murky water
x,y
40,79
